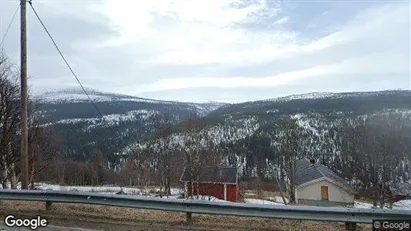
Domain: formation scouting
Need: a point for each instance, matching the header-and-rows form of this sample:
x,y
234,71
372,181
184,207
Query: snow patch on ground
x,y
176,192
277,199
261,202
399,205
103,189
362,205
402,205
206,198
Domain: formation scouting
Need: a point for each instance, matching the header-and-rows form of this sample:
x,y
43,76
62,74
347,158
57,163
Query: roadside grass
x,y
110,215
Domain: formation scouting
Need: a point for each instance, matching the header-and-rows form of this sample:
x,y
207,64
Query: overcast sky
x,y
221,50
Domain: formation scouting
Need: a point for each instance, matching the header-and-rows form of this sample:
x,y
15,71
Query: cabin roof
x,y
306,172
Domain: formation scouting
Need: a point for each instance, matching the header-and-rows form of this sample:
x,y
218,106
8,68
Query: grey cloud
x,y
66,30
44,62
340,83
120,69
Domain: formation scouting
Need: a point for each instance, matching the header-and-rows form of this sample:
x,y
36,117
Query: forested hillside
x,y
362,136
82,131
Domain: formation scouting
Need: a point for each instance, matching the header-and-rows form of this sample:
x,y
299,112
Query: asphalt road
x,y
3,227
100,225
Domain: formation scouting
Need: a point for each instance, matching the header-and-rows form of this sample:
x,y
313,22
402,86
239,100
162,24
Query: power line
x,y
409,47
64,59
8,27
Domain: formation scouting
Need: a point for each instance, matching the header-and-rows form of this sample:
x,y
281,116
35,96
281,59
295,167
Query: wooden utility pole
x,y
24,120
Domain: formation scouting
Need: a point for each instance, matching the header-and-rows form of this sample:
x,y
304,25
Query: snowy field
x,y
362,205
207,198
277,199
149,191
399,205
402,205
176,192
262,202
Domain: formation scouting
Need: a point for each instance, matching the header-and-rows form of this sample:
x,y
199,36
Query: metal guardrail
x,y
348,215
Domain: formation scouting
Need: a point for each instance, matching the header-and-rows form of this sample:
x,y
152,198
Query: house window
x,y
324,192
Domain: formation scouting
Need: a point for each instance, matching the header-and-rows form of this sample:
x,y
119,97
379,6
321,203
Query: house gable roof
x,y
306,173
213,174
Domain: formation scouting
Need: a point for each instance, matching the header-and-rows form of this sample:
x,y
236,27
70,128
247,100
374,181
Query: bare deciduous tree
x,y
199,150
372,148
290,149
43,149
163,150
42,143
192,133
9,121
96,164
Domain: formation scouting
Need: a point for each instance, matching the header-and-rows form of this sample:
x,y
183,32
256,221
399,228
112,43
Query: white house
x,y
318,185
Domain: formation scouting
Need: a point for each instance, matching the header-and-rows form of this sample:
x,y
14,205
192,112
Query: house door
x,y
324,192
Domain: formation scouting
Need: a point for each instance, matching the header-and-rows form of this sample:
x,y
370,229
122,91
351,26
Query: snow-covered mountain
x,y
346,131
233,122
237,128
77,95
125,118
323,95
322,102
251,134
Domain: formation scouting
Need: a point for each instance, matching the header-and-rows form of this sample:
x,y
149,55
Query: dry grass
x,y
109,218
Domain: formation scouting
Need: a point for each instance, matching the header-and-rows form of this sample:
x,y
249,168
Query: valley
x,y
338,129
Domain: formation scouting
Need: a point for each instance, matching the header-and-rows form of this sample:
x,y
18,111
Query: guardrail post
x,y
48,205
350,226
189,217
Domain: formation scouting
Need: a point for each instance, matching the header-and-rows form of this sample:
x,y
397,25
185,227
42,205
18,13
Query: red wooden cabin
x,y
219,182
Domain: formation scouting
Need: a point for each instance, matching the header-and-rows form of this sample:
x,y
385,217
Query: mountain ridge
x,y
345,132
309,95
63,95
125,118
128,121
